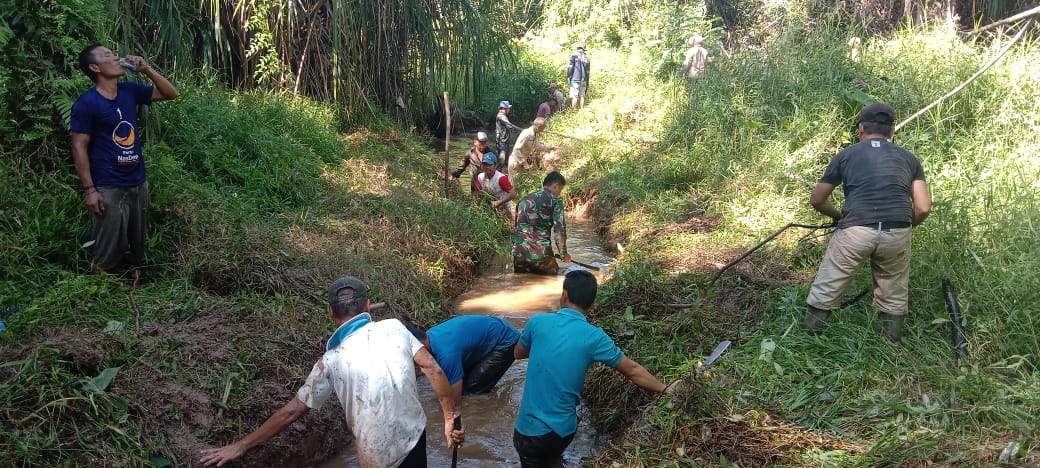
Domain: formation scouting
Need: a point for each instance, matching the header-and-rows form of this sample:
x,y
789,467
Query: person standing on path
x,y
502,128
561,346
106,150
474,351
498,186
696,57
578,76
526,151
557,96
885,195
537,216
370,366
473,158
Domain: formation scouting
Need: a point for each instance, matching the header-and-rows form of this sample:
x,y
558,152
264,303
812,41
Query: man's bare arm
x,y
428,365
821,200
281,419
922,201
638,374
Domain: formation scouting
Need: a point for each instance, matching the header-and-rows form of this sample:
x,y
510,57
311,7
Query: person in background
x,y
885,196
525,152
560,347
370,366
106,150
473,158
696,57
502,128
557,96
497,185
537,216
545,109
578,76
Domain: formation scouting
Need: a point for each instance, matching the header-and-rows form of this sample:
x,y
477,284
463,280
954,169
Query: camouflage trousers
x,y
545,266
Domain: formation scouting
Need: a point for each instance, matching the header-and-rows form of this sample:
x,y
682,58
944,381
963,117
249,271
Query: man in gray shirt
x,y
885,194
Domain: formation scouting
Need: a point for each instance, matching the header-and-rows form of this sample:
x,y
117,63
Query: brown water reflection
x,y
489,418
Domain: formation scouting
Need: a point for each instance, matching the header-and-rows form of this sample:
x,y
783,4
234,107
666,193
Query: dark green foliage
x,y
39,77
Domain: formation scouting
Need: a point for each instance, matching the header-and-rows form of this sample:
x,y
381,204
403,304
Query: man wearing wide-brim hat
x,y
885,196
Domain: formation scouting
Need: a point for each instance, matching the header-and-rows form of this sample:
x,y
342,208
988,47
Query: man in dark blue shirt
x,y
885,195
106,149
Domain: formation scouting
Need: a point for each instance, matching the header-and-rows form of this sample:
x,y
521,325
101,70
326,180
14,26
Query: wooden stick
x,y
1014,40
447,141
1010,19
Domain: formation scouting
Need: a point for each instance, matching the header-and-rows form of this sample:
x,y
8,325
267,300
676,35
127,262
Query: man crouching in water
x,y
537,215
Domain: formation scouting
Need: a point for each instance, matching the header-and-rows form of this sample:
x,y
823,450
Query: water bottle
x,y
128,64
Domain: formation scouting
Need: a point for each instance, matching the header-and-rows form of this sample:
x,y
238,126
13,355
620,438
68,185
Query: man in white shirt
x,y
371,368
497,184
527,146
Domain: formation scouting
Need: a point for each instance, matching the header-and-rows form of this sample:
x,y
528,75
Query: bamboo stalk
x,y
1014,40
1009,19
447,141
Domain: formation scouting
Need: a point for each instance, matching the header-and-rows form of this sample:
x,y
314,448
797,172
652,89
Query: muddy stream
x,y
489,418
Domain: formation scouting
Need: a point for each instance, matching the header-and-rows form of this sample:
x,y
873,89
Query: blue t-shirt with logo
x,y
462,342
115,142
563,345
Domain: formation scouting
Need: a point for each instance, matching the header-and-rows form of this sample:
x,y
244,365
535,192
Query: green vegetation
x,y
740,151
260,197
258,202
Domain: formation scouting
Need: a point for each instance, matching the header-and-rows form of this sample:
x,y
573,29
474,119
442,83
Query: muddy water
x,y
489,418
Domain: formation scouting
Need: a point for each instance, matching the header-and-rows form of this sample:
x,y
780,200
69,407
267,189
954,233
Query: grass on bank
x,y
737,158
258,202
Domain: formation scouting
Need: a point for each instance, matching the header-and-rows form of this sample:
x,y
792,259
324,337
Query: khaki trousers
x,y
848,249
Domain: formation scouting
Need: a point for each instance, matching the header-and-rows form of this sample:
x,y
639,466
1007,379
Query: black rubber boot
x,y
815,320
892,326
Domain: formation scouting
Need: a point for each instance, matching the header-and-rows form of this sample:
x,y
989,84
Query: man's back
x,y
579,67
462,341
537,215
373,374
877,176
562,347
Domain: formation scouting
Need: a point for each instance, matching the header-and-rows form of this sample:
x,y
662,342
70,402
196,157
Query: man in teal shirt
x,y
561,347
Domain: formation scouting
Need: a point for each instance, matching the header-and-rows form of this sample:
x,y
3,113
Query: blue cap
x,y
489,158
504,105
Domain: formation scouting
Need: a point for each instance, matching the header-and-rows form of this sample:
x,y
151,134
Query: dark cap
x,y
878,112
347,282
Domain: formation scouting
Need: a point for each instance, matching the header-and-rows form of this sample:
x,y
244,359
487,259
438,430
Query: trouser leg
x,y
483,376
417,457
138,199
540,451
109,233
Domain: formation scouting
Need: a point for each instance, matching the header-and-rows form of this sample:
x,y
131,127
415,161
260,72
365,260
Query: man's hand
x,y
222,455
566,257
455,437
451,177
95,202
142,66
670,388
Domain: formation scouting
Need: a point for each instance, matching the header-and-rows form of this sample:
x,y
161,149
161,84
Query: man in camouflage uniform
x,y
538,214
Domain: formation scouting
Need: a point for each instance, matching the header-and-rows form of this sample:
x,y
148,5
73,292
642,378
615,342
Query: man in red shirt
x,y
497,185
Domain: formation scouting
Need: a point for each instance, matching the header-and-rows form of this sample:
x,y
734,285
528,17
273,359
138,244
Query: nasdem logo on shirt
x,y
875,144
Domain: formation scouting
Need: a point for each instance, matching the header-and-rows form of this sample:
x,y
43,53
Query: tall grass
x,y
740,150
